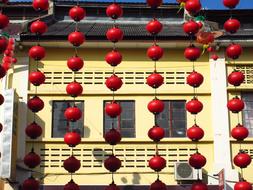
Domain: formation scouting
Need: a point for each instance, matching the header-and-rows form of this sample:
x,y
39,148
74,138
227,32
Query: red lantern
x,y
32,159
71,185
157,163
2,71
113,58
234,51
236,78
210,49
155,80
155,52
4,21
6,66
37,78
154,27
1,127
7,59
158,185
14,60
113,82
112,186
200,24
112,163
214,57
33,130
3,44
192,53
114,11
194,106
242,160
230,3
114,34
193,6
31,184
73,113
38,27
112,137
195,79
197,160
156,133
239,132
37,53
1,99
232,25
191,27
113,109
195,133
76,38
199,185
8,52
243,185
72,138
74,89
154,3
77,13
40,5
75,63
35,104
156,106
235,105
71,164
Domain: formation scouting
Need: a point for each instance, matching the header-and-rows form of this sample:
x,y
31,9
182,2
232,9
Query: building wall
x,y
245,65
134,152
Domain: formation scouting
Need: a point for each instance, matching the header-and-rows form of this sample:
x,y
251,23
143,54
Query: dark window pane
x,y
173,118
247,113
60,125
125,123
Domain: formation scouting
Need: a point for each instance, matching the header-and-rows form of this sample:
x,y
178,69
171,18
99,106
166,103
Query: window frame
x,y
52,122
134,117
243,114
170,127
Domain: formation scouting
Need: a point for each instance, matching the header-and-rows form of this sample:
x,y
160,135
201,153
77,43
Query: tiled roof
x,y
96,1
97,31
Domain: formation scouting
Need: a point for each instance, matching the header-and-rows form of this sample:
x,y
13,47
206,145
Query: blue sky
x,y
209,4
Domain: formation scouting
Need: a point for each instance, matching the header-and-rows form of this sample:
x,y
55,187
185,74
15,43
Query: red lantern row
x,y
113,83
236,105
35,104
155,106
195,80
74,89
6,47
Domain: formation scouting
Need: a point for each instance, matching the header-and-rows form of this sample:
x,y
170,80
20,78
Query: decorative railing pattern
x,y
134,157
93,79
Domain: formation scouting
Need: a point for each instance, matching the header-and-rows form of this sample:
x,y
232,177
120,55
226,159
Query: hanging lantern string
x,y
112,177
191,39
193,65
155,40
242,174
155,66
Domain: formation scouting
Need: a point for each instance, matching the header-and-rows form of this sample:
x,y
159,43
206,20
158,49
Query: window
x,y
125,123
60,124
173,118
247,113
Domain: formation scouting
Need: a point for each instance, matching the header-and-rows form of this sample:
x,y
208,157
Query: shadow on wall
x,y
135,180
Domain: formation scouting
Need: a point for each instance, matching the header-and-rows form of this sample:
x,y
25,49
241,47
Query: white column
x,y
220,122
20,83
